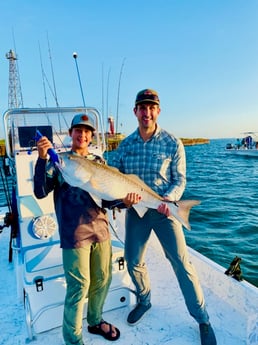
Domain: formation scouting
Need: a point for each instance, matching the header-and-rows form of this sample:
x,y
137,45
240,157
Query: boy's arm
x,y
42,183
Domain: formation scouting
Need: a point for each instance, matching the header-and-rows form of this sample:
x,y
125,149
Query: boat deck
x,y
167,322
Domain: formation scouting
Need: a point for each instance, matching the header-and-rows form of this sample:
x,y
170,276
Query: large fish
x,y
108,183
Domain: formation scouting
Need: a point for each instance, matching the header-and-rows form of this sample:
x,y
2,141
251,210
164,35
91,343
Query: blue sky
x,y
200,55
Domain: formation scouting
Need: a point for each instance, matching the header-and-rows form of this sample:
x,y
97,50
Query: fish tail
x,y
183,208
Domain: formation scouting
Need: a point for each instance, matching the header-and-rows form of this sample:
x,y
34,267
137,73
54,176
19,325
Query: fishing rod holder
x,y
234,269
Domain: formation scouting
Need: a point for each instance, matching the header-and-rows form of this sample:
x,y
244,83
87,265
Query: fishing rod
x,y
118,93
43,76
52,72
54,83
52,153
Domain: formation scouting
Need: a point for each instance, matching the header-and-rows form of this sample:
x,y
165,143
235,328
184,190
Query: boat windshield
x,y
20,126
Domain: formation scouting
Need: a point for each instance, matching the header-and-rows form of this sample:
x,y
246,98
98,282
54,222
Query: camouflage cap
x,y
147,95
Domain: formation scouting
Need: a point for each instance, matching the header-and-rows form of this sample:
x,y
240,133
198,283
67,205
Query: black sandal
x,y
107,335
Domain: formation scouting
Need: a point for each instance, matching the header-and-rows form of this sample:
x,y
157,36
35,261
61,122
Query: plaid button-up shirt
x,y
159,162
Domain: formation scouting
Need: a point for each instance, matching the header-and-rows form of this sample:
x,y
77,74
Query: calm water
x,y
225,224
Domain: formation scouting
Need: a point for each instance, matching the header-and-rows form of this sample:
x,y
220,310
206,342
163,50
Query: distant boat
x,y
246,146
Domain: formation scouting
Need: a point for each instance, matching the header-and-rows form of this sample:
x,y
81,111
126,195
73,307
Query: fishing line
x,y
112,228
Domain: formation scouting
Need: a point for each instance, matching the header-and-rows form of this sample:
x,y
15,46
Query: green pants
x,y
88,274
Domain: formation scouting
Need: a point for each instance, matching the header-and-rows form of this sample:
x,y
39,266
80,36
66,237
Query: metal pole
x,y
79,78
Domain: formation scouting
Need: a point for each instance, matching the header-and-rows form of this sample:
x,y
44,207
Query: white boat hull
x,y
243,152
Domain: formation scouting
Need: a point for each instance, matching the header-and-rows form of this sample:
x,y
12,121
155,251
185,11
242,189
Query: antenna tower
x,y
14,94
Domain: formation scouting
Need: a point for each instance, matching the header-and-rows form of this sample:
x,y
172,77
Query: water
x,y
225,224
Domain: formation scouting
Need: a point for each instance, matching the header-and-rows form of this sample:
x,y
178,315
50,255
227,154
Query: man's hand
x,y
163,208
131,199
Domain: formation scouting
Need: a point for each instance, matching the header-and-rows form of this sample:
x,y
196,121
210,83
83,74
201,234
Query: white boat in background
x,y
36,258
246,146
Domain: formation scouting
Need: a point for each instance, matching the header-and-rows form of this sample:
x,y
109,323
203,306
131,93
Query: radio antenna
x,y
79,78
52,72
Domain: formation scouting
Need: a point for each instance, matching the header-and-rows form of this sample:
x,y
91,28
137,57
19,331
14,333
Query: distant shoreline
x,y
194,141
113,144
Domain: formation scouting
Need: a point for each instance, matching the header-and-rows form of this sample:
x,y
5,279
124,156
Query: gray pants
x,y
172,240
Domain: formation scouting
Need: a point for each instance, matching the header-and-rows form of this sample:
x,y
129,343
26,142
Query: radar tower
x,y
15,99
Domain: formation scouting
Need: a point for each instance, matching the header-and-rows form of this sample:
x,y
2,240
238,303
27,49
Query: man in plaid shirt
x,y
158,158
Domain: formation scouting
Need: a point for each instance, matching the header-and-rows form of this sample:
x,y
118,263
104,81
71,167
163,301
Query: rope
x,y
114,230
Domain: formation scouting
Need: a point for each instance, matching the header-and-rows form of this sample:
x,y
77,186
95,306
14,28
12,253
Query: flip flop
x,y
107,335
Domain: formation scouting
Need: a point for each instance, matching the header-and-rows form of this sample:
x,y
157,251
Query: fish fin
x,y
181,211
141,210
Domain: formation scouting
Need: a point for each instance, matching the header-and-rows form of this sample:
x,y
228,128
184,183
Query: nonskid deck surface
x,y
167,322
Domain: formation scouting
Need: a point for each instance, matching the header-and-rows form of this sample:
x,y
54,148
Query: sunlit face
x,y
81,138
147,114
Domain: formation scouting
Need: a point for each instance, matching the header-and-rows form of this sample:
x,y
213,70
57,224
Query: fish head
x,y
74,170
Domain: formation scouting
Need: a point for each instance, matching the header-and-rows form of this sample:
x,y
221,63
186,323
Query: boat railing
x,y
20,127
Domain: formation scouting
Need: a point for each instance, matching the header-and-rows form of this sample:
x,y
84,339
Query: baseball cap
x,y
83,119
147,95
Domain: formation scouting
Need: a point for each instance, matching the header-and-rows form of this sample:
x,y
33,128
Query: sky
x,y
200,55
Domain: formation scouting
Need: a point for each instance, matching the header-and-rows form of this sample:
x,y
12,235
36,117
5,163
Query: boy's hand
x,y
43,145
131,199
